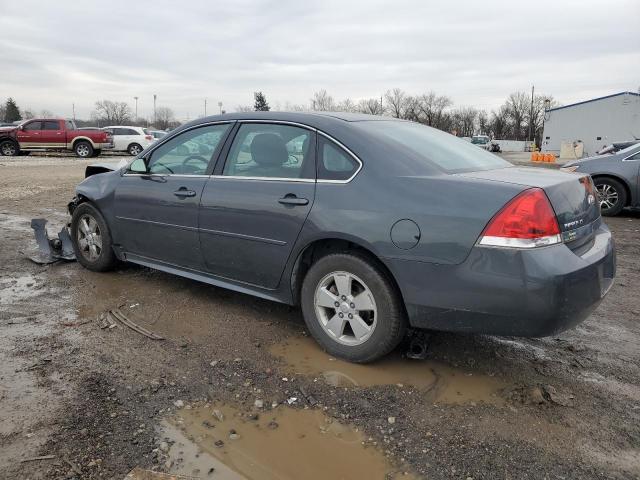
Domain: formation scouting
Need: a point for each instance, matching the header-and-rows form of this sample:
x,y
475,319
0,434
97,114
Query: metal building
x,y
596,123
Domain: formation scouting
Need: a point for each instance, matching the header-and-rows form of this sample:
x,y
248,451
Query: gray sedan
x,y
616,176
372,225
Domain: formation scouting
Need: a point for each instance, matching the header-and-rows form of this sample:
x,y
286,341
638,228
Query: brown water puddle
x,y
441,382
284,444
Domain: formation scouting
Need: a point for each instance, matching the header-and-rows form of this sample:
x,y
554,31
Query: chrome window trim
x,y
353,155
629,159
280,122
272,179
165,175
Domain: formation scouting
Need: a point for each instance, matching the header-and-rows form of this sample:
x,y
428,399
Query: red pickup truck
x,y
53,134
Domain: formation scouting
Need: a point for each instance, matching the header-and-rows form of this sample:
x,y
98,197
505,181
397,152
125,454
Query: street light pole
x,y
220,106
205,107
154,109
136,99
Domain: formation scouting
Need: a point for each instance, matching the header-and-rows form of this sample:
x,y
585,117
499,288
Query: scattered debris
x,y
562,399
391,420
258,404
140,474
118,315
73,466
179,404
219,443
34,459
218,414
51,250
292,400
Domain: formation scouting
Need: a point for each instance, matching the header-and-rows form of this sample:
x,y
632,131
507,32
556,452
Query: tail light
x,y
527,221
149,137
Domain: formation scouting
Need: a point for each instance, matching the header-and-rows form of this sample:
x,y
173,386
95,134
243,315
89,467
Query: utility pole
x,y
205,107
154,108
381,106
136,99
73,108
531,113
220,106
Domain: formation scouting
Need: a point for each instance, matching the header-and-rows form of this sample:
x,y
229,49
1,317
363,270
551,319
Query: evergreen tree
x,y
260,104
12,112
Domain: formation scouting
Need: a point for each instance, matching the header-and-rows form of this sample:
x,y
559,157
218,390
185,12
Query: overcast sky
x,y
57,53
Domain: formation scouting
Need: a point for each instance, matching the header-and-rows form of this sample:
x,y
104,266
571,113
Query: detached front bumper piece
x,y
51,250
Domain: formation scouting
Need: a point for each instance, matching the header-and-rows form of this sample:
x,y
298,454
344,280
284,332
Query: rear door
x,y
253,209
29,135
157,199
52,134
119,140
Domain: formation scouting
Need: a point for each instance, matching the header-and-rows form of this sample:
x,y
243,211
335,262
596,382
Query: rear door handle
x,y
293,200
183,193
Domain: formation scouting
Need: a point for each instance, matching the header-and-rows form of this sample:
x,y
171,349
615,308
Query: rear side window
x,y
434,147
335,163
30,127
51,125
129,131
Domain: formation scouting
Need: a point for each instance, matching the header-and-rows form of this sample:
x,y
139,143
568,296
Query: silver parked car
x,y
616,177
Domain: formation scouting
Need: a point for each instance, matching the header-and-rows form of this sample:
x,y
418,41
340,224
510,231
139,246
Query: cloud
x,y
476,52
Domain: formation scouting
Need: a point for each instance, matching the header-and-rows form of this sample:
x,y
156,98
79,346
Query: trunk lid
x,y
572,196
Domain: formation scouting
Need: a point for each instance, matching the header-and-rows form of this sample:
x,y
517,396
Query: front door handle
x,y
182,192
293,200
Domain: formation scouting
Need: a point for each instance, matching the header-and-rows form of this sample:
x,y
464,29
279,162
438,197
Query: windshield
x,y
447,152
480,140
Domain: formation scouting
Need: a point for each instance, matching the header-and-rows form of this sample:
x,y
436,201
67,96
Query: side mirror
x,y
138,166
20,127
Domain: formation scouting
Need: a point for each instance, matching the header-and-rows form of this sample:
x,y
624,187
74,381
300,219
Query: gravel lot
x,y
103,401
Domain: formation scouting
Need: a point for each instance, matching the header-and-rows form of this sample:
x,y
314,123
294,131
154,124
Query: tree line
x,y
518,118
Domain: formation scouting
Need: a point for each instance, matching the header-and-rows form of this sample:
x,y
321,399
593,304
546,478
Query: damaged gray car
x,y
372,225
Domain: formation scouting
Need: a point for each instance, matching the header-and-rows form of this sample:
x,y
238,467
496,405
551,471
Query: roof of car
x,y
308,118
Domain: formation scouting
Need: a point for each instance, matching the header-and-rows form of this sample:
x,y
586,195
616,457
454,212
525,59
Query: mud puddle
x,y
440,382
280,444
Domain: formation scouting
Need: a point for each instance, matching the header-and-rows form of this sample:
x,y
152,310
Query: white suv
x,y
130,139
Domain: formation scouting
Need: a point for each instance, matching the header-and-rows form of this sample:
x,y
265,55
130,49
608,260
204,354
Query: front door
x,y
157,198
29,134
253,210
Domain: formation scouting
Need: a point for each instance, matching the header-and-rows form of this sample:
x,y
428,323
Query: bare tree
x,y
464,121
518,105
244,108
483,122
433,107
164,118
499,123
347,105
110,112
322,101
396,102
28,114
371,106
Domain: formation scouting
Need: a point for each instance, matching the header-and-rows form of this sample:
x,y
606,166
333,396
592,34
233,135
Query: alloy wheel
x,y
608,195
345,308
8,149
89,238
135,150
82,150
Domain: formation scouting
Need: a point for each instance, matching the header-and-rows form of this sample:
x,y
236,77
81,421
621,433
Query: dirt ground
x,y
237,390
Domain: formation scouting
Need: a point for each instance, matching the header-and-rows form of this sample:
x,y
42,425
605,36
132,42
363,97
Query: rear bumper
x,y
504,291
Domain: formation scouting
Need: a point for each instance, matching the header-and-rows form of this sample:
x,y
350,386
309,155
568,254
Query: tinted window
x,y
129,131
51,125
634,157
189,153
335,163
271,151
434,146
30,127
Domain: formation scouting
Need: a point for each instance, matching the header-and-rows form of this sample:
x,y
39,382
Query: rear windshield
x,y
448,153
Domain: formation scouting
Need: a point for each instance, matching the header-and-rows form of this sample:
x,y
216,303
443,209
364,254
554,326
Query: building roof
x,y
594,100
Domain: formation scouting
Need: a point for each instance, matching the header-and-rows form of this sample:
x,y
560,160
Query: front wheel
x,y
91,239
612,196
352,308
9,148
83,149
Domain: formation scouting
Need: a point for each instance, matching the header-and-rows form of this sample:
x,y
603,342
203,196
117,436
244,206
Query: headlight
x,y
569,169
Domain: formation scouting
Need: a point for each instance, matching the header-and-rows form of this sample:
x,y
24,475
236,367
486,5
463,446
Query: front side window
x,y
51,125
69,125
335,163
262,150
189,153
30,127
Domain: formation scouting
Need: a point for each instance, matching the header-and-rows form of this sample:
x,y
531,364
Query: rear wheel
x,y
8,148
352,308
83,149
92,239
134,149
612,196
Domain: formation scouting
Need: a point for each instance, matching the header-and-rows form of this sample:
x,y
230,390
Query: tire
x,y
386,322
134,149
612,196
88,219
83,149
96,152
9,148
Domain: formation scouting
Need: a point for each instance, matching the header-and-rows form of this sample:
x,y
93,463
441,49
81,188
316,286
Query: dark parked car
x,y
616,176
371,224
